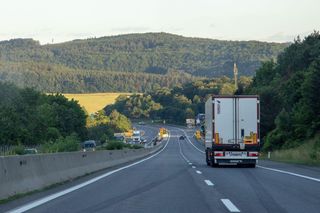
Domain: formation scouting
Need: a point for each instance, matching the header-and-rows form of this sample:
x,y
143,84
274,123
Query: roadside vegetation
x,y
176,104
307,153
289,93
51,123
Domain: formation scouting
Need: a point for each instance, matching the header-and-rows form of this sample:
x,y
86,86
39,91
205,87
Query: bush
x,y
18,150
136,146
62,144
112,145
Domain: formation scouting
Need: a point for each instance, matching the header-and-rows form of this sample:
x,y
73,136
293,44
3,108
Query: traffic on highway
x,y
177,179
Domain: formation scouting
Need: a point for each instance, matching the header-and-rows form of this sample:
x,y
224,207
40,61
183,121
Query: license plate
x,y
236,154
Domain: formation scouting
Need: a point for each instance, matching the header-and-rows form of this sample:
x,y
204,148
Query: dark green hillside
x,y
149,52
58,78
290,95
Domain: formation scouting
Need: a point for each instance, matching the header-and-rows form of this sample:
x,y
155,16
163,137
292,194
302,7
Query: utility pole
x,y
235,73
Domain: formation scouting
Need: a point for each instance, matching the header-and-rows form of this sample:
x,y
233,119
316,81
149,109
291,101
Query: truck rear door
x,y
224,120
235,120
247,119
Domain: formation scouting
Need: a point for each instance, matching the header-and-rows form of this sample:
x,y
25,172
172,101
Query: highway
x,y
177,179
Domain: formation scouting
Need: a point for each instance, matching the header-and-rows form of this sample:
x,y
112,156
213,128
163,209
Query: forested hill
x,y
290,96
155,53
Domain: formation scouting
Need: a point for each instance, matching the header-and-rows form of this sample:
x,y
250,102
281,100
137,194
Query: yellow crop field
x,y
94,102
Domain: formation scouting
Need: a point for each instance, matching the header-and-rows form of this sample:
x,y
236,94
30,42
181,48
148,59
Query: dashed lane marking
x,y
230,206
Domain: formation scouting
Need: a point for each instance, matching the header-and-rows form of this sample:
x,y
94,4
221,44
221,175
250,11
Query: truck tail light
x,y
253,154
218,154
216,138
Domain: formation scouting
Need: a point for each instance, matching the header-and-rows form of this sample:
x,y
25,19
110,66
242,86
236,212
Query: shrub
x,y
18,150
112,145
62,144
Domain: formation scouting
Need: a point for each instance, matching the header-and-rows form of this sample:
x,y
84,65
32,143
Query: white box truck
x,y
232,126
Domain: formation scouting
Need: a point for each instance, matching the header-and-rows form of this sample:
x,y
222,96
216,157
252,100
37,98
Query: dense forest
x,y
30,118
178,103
133,62
290,94
58,78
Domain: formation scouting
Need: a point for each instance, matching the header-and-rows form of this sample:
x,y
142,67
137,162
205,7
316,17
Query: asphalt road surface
x,y
177,179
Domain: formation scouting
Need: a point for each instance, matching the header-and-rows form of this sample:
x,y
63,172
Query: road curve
x,y
178,180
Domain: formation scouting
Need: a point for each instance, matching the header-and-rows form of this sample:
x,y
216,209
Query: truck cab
x,y
136,137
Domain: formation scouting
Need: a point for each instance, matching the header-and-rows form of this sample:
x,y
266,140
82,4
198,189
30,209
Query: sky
x,y
53,21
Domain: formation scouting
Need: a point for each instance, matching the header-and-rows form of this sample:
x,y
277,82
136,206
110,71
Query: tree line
x,y
176,104
31,118
58,78
156,53
289,91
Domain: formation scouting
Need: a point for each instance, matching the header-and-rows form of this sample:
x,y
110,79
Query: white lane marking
x,y
290,173
64,192
199,172
190,141
208,182
230,206
190,163
193,167
184,157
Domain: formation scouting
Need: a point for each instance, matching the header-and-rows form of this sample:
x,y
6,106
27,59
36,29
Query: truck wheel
x,y
253,165
212,164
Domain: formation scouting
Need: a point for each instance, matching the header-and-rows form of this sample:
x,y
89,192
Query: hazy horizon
x,y
60,21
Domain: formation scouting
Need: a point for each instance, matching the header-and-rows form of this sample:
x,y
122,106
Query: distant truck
x,y
232,126
136,137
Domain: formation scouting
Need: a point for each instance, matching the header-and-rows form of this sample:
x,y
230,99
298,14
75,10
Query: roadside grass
x,y
94,102
308,154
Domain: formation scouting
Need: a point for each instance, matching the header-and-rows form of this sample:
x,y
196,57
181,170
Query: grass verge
x,y
308,154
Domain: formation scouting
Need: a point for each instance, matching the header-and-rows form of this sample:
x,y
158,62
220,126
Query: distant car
x,y
143,140
30,151
89,145
141,123
182,137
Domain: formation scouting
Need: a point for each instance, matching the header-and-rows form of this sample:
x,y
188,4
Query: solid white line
x,y
193,167
190,141
66,191
198,172
290,173
184,157
230,206
208,182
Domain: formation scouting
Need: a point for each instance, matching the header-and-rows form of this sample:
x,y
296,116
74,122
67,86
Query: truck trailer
x,y
232,125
